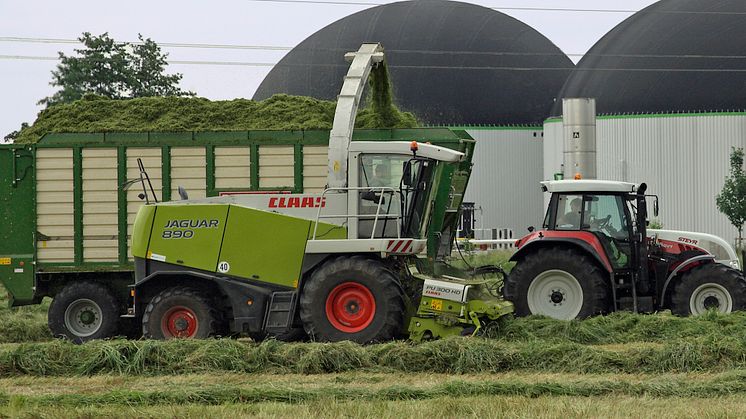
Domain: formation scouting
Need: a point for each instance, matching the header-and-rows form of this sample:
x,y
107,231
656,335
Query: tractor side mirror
x,y
655,207
407,173
531,229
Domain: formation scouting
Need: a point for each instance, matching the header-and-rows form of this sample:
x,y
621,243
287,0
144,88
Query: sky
x,y
45,26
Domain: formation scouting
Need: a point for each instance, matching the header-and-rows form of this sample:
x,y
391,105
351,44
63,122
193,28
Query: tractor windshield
x,y
604,215
599,213
396,198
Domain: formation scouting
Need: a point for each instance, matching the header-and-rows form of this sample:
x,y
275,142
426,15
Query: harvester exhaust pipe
x,y
579,120
347,104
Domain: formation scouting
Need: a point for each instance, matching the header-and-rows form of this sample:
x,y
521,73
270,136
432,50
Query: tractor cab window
x,y
382,174
605,214
569,212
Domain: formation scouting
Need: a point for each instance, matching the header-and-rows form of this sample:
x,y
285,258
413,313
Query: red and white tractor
x,y
595,255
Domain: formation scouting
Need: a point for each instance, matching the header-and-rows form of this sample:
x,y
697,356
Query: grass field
x,y
621,365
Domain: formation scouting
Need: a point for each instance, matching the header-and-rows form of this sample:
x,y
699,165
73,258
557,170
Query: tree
x,y
114,70
732,199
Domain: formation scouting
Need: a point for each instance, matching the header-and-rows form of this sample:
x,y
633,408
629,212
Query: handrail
x,y
380,189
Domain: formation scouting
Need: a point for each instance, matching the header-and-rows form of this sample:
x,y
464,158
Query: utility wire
x,y
530,9
13,39
162,44
363,3
439,67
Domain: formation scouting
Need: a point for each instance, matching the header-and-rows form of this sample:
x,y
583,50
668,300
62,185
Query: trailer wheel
x,y
713,286
180,313
557,282
83,311
352,298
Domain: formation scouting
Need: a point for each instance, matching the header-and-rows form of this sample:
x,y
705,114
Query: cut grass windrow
x,y
726,384
451,356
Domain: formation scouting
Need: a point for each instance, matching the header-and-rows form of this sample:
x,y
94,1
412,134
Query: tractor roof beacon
x,y
358,261
594,254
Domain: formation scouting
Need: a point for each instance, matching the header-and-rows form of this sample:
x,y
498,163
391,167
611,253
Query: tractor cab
x,y
595,255
606,210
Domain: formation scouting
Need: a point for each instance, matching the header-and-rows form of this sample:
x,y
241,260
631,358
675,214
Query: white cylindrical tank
x,y
579,121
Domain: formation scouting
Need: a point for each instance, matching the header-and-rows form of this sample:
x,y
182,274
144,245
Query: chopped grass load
x,y
280,112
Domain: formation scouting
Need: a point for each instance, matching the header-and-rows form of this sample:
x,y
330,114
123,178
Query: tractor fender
x,y
247,317
682,267
589,245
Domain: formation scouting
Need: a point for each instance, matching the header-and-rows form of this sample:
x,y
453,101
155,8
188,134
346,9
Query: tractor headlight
x,y
734,264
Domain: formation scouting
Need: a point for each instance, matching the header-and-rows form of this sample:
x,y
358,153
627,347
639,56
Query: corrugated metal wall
x,y
683,159
508,167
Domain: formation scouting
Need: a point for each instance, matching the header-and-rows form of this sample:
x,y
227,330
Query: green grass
x,y
368,395
711,353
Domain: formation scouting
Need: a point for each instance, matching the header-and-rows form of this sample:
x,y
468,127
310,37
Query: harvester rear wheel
x,y
713,286
352,298
557,282
83,311
179,313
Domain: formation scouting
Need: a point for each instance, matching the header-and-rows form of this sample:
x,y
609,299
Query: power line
x,y
437,67
163,44
396,50
362,3
528,9
407,51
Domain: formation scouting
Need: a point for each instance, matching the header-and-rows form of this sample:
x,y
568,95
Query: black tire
x,y
347,286
550,267
180,313
84,311
710,286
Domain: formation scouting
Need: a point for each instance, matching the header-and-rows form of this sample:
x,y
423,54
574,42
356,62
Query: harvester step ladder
x,y
280,311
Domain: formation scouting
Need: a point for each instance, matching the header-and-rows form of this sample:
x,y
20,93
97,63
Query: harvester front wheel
x,y
83,311
352,298
557,282
713,286
179,313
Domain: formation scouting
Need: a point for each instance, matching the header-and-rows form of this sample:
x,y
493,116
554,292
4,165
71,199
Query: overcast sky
x,y
24,80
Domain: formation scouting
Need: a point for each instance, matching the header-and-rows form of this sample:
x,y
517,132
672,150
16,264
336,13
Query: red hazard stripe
x,y
398,245
407,247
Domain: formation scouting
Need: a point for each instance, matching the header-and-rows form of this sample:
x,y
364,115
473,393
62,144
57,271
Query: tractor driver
x,y
571,220
380,176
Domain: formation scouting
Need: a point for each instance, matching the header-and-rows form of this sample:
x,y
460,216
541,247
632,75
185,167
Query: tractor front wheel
x,y
557,282
83,311
179,313
352,298
713,286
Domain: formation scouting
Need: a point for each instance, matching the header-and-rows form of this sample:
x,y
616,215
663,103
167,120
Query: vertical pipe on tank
x,y
579,120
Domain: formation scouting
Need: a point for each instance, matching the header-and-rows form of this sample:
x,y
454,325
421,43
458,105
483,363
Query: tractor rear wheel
x,y
557,282
352,298
713,286
180,313
83,311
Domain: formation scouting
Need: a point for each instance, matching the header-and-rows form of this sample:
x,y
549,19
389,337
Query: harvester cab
x,y
595,254
353,262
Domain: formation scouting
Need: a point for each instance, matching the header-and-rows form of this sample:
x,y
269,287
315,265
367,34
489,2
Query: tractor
x,y
595,255
359,261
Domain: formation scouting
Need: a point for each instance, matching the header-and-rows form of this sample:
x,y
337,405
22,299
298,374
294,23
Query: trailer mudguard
x,y
248,301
